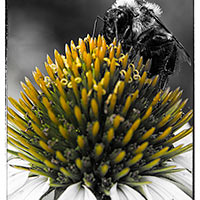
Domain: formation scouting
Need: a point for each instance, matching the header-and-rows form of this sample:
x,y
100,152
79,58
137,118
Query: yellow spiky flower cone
x,y
96,119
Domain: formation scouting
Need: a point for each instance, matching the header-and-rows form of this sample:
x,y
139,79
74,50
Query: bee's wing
x,y
184,54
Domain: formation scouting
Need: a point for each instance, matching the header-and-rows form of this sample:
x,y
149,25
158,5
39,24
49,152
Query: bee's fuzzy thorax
x,y
129,3
155,7
137,4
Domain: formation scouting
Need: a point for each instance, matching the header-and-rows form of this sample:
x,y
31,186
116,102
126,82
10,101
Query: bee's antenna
x,y
95,24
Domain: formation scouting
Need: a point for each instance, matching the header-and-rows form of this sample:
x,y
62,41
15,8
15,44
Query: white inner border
x,y
2,103
197,97
3,100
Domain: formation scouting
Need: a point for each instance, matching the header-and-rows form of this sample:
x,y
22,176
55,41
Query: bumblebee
x,y
136,24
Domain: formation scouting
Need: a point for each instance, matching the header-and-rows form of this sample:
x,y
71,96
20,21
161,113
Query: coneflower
x,y
98,128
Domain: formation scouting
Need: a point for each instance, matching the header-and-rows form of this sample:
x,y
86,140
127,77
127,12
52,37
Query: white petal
x,y
80,195
76,192
16,177
185,160
49,196
122,196
18,161
151,194
10,147
88,194
182,179
41,187
33,189
186,140
162,189
124,192
72,192
17,180
146,192
115,193
130,193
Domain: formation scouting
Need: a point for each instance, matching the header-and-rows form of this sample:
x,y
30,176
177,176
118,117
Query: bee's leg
x,y
95,24
164,75
116,30
164,79
166,68
142,36
126,31
133,54
170,67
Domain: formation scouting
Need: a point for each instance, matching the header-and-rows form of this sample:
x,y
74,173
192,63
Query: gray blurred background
x,y
37,27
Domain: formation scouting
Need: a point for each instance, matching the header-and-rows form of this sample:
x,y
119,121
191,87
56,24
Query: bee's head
x,y
118,18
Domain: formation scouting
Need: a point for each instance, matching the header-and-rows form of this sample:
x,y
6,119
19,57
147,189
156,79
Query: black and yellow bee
x,y
136,24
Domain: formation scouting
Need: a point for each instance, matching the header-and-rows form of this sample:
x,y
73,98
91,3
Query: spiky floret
x,y
96,119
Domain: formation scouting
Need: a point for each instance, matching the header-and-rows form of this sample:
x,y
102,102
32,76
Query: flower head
x,y
97,123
